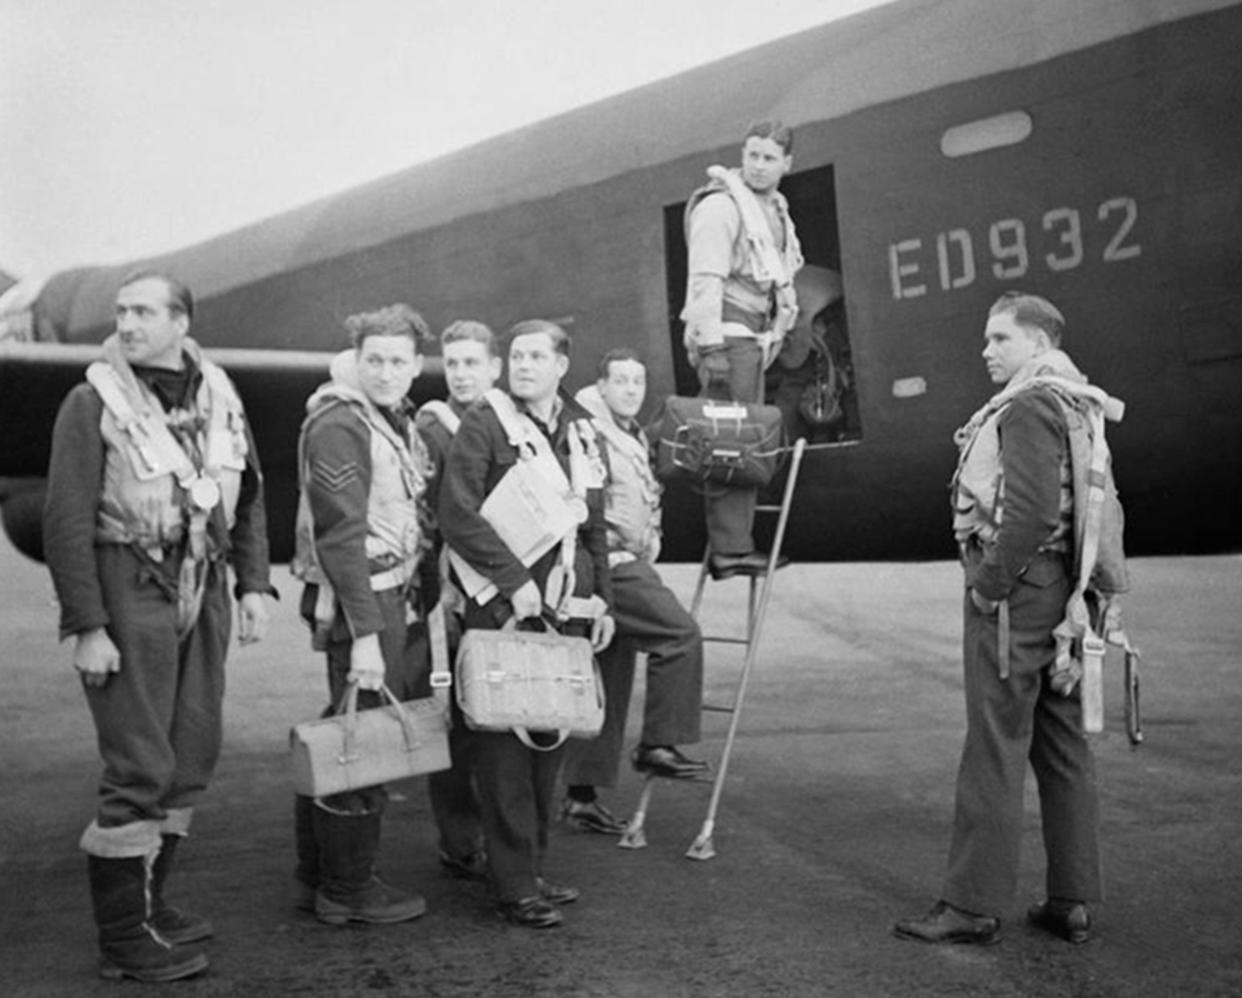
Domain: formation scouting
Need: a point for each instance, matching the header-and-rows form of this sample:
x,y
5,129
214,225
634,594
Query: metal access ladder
x,y
760,592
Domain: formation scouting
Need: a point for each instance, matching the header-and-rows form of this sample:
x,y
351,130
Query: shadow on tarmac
x,y
834,822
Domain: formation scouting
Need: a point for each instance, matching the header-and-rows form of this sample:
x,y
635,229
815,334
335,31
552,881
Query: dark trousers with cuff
x,y
649,619
1010,722
517,786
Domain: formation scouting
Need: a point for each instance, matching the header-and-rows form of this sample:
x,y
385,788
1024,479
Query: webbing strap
x,y
1002,639
151,437
767,260
1092,644
441,411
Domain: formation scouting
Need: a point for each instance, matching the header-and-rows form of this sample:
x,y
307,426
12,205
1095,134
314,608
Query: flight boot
x,y
178,927
349,890
129,945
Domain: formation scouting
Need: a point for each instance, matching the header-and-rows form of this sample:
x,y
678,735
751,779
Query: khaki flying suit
x,y
175,493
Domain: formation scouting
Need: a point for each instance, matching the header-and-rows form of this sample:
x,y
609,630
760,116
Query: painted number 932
x,y
1012,249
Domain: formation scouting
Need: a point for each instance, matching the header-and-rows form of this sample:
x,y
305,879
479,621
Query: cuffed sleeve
x,y
74,482
250,553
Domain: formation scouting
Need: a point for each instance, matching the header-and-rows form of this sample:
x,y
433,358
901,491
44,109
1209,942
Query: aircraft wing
x,y
273,384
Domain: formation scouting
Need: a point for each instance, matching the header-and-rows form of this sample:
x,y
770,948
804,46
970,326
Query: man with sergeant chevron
x,y
361,546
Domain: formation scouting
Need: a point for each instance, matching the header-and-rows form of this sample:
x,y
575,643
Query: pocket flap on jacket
x,y
1044,570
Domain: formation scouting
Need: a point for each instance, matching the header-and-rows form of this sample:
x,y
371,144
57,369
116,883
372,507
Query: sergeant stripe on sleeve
x,y
335,478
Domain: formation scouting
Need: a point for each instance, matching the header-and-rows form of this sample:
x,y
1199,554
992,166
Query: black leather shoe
x,y
1068,919
665,760
591,816
472,867
530,913
946,924
557,893
725,566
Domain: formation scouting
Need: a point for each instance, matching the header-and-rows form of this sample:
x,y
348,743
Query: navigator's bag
x,y
725,443
527,681
356,748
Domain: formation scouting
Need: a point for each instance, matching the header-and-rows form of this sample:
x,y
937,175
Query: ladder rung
x,y
726,641
717,709
767,508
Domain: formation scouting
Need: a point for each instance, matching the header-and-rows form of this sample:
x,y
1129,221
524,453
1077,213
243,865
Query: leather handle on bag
x,y
524,737
349,707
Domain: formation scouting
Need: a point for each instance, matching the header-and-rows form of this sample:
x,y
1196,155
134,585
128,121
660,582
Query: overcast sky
x,y
132,127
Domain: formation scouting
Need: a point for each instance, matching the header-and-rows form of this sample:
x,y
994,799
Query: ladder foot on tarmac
x,y
760,591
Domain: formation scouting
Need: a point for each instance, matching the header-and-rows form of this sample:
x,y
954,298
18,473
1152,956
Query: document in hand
x,y
531,509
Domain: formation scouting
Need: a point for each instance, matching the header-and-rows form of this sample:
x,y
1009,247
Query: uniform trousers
x,y
649,618
1009,722
454,797
516,788
731,510
158,720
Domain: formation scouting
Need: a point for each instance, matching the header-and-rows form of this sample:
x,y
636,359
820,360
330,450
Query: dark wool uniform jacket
x,y
480,457
74,484
438,440
1034,442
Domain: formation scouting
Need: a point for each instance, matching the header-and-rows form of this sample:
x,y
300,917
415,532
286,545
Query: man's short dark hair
x,y
180,301
529,327
615,355
469,330
777,131
1031,311
394,320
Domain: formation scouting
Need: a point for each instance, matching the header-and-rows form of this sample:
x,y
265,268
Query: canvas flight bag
x,y
356,748
529,681
724,443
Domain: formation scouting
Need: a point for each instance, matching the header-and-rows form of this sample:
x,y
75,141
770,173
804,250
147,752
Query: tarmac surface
x,y
834,821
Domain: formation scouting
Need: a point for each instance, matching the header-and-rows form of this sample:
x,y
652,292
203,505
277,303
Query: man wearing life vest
x,y
743,253
360,541
649,617
154,489
1014,503
471,368
517,783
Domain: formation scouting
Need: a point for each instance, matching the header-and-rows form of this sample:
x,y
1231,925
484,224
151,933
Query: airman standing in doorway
x,y
740,300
